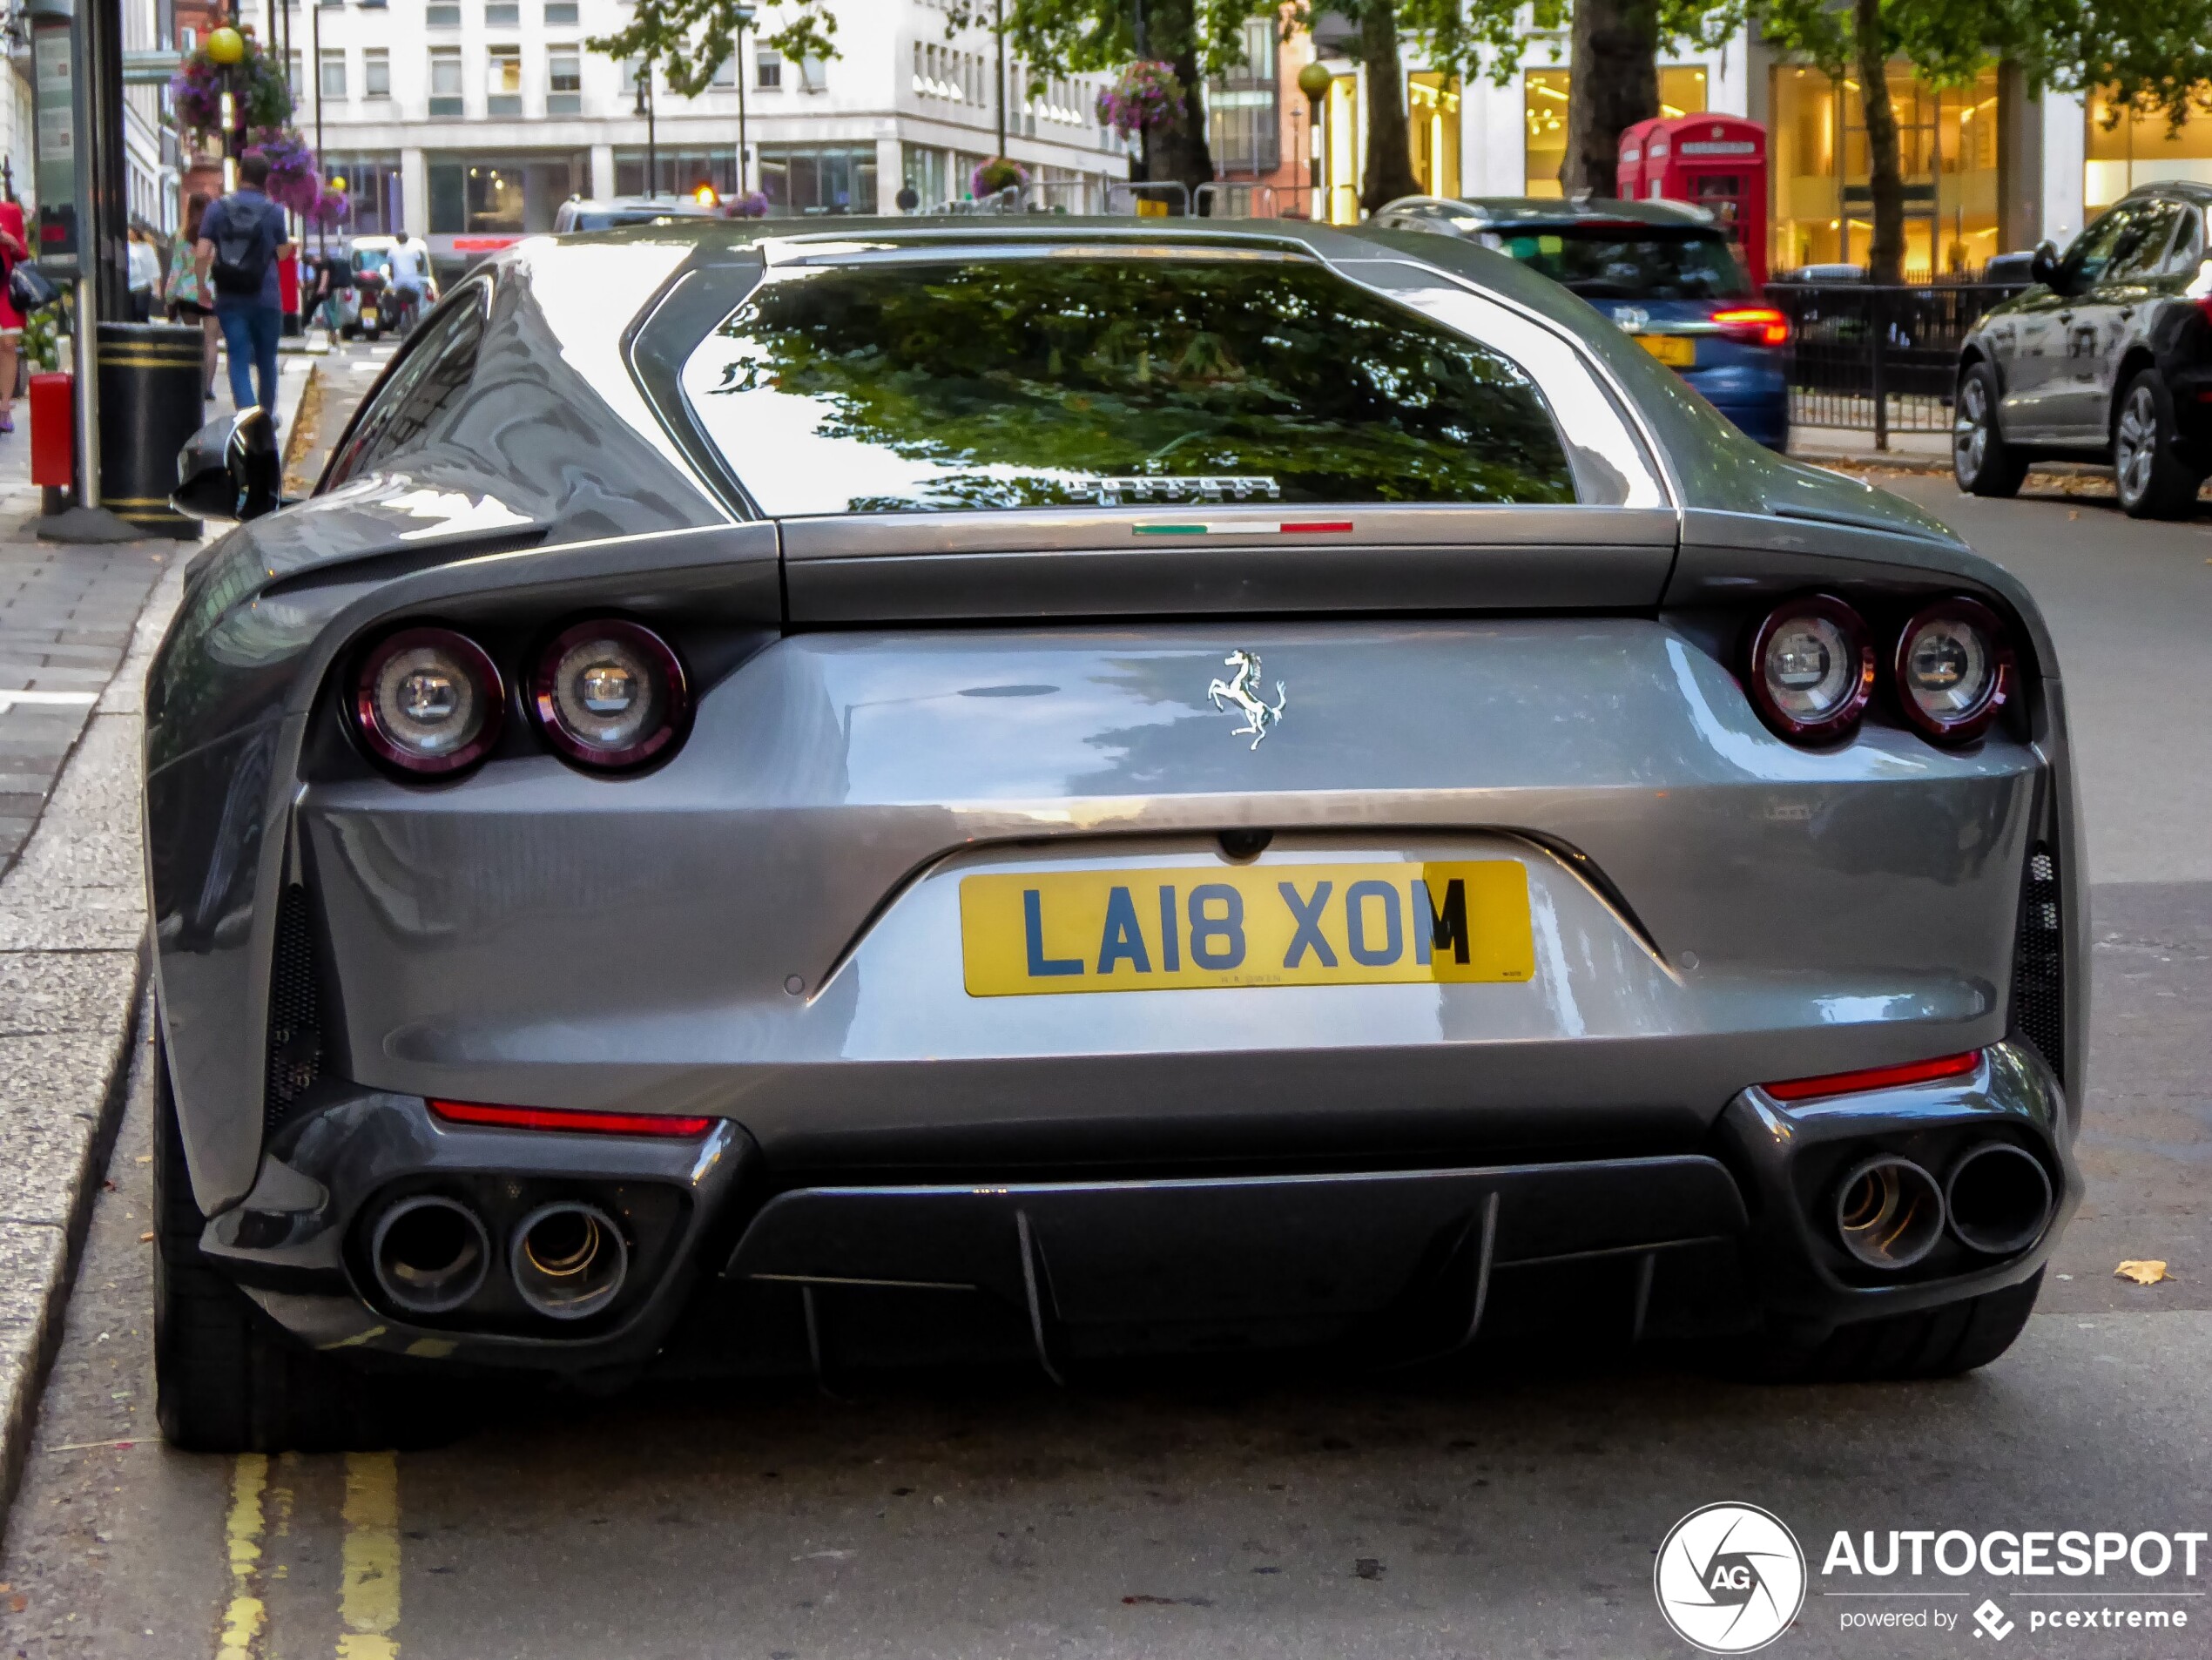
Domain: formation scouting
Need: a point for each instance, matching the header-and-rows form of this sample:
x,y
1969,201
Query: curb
x,y
72,983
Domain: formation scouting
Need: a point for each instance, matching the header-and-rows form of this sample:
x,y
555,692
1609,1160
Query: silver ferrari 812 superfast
x,y
1071,789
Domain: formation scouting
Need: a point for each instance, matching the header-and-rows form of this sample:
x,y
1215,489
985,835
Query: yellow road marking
x,y
243,1619
368,1594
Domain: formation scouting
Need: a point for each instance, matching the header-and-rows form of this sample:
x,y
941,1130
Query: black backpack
x,y
242,255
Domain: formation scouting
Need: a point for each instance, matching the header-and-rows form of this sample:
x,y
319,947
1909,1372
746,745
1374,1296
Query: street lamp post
x,y
645,107
1314,80
745,15
999,28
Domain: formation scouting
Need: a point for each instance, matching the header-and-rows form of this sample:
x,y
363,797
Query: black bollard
x,y
149,406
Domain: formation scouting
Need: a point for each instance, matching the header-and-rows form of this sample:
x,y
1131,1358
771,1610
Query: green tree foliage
x,y
2152,55
692,39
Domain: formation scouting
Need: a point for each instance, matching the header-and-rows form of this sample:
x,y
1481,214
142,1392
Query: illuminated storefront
x,y
1947,146
2126,149
1544,92
1433,122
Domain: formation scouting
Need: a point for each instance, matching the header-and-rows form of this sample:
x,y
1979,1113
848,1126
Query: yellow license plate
x,y
1675,351
368,315
1258,925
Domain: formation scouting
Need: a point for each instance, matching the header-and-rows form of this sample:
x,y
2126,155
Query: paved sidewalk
x,y
78,626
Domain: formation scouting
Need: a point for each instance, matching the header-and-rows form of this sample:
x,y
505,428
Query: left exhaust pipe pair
x,y
1889,1212
431,1254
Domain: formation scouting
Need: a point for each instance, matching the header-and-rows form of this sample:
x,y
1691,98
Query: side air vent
x,y
295,1013
2038,962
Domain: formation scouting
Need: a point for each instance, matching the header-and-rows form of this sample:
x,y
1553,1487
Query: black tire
x,y
1981,461
227,1378
2152,481
1940,1342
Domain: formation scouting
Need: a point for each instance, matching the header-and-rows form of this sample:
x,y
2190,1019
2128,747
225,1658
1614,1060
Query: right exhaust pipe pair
x,y
431,1254
1890,1212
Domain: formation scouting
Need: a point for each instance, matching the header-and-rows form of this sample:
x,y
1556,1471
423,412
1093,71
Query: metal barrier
x,y
1879,359
1226,198
1123,198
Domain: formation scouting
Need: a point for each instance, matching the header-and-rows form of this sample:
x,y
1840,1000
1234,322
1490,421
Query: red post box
x,y
288,284
53,429
1716,162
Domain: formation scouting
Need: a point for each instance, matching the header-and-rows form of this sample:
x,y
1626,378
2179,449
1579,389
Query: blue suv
x,y
1664,271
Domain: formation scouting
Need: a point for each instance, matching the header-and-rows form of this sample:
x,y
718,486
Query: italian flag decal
x,y
1300,527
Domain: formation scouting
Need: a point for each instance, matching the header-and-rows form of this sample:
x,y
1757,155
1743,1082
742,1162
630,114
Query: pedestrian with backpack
x,y
240,240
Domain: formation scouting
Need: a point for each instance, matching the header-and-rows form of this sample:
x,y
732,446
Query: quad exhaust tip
x,y
1889,1212
1999,1197
430,1253
569,1259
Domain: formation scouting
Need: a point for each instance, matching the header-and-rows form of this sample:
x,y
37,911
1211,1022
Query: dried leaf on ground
x,y
2148,1271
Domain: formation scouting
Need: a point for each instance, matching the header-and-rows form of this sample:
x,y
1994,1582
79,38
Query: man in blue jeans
x,y
240,238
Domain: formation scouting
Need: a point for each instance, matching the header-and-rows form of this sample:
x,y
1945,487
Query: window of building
x,y
2127,149
503,14
1544,93
564,81
503,81
376,72
1824,202
445,81
331,82
292,73
680,171
1433,130
768,70
475,195
800,181
725,74
443,16
1242,109
371,186
560,14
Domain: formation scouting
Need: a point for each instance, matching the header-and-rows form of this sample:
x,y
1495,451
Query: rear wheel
x,y
1981,461
2152,481
227,1378
1940,1342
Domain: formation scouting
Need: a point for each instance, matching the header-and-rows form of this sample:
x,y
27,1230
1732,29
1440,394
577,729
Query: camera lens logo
x,y
1730,1578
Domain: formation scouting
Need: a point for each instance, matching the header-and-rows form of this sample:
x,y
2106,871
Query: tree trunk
x,y
1390,152
1886,256
1615,63
1182,151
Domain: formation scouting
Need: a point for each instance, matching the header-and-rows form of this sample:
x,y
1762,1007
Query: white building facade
x,y
468,122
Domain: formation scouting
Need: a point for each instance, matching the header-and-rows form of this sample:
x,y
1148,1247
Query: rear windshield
x,y
1631,262
912,387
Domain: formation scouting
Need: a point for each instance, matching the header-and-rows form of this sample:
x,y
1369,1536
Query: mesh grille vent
x,y
295,1016
2038,962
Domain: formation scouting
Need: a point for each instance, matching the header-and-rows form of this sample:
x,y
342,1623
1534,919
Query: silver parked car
x,y
1071,789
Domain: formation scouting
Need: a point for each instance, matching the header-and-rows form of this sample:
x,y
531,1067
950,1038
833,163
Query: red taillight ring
x,y
1971,725
473,659
1756,325
1857,641
675,690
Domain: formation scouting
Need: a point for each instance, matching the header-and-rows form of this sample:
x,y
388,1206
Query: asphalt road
x,y
1492,1512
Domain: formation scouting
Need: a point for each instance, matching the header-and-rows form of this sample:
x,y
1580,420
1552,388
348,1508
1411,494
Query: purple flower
x,y
1146,96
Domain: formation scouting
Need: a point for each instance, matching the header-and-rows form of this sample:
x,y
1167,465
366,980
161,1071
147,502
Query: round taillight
x,y
1954,670
1811,668
609,694
428,701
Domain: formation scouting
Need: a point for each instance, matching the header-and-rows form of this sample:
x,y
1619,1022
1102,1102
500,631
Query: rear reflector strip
x,y
1311,527
593,1123
1876,1077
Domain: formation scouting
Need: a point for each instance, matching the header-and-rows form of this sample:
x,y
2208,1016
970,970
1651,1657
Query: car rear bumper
x,y
1735,1230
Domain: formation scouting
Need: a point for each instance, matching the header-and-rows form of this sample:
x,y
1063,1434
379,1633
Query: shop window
x,y
1433,130
2127,148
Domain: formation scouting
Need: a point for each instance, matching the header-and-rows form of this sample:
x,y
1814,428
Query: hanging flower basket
x,y
994,175
753,205
293,182
1146,96
196,91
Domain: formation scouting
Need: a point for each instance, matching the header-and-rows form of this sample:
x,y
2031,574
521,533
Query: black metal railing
x,y
1877,358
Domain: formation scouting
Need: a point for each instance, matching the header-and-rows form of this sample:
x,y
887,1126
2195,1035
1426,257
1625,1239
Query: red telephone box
x,y
1716,162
